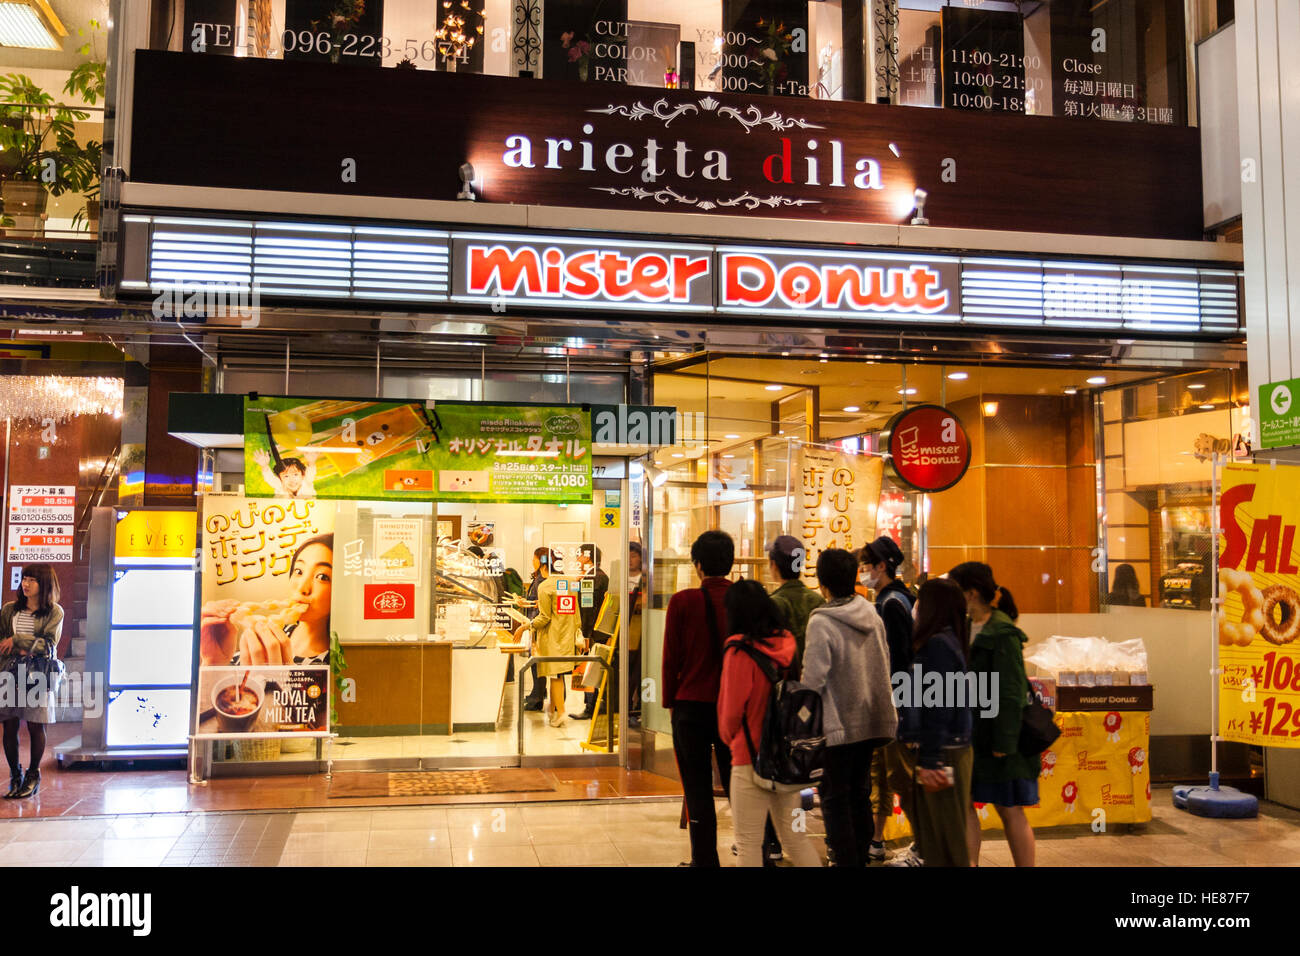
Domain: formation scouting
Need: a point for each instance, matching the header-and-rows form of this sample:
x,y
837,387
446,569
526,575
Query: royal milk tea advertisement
x,y
264,633
1259,623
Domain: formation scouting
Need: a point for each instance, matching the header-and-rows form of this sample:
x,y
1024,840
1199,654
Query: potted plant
x,y
41,135
87,80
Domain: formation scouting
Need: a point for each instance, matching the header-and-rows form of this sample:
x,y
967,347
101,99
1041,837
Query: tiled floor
x,y
618,833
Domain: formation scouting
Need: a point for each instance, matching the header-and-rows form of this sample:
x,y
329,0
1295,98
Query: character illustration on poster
x,y
289,477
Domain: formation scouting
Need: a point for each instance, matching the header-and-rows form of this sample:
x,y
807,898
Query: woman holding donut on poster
x,y
293,630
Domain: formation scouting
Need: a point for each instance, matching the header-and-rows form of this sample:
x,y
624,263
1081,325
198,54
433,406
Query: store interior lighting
x,y
990,409
30,24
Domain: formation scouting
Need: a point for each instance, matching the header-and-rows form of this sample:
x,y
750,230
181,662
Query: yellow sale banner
x,y
1259,620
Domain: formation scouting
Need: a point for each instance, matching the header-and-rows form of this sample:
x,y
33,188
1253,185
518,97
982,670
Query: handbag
x,y
1038,730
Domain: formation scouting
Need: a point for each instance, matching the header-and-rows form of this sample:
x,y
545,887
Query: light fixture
x,y
728,456
1097,380
1207,407
852,408
919,219
1194,386
958,376
906,391
1071,391
466,183
30,24
990,409
59,397
656,476
774,388
678,454
893,148
731,436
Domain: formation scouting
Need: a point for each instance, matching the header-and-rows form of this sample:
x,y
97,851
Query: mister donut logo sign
x,y
928,447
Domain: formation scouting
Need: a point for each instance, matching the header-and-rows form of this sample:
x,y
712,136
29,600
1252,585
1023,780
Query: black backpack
x,y
792,751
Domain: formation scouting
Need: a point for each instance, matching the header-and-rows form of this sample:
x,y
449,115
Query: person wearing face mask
x,y
892,766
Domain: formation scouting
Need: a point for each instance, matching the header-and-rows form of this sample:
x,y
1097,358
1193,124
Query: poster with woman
x,y
264,632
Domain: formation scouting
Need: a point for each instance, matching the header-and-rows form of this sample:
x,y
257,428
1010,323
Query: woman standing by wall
x,y
1001,774
30,625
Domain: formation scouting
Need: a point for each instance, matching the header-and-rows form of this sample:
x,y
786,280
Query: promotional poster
x,y
836,496
268,568
1259,583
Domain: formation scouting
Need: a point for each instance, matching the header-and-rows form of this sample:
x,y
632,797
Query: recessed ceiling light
x,y
730,436
824,355
775,388
959,376
728,456
678,454
852,408
823,361
1071,391
1196,385
785,353
906,391
1097,380
1208,408
990,409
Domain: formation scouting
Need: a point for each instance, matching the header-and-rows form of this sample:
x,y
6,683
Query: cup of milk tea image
x,y
238,702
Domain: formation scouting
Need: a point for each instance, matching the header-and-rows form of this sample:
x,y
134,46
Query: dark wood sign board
x,y
265,124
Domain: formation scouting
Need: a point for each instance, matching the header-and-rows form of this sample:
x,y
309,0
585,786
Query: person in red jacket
x,y
692,660
754,619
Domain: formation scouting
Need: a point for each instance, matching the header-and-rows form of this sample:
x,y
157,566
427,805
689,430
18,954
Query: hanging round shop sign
x,y
928,447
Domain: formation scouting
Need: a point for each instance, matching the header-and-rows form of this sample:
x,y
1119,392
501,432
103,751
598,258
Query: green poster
x,y
536,453
1279,414
323,448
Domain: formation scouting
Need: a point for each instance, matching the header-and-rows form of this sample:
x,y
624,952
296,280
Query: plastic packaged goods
x,y
1090,661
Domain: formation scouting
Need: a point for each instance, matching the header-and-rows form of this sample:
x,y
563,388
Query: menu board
x,y
983,60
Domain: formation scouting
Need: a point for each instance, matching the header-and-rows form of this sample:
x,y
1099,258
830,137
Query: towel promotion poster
x,y
1259,625
308,448
264,633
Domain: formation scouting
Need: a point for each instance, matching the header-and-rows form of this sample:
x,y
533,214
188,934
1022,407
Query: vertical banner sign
x,y
836,497
529,453
1259,581
264,634
320,448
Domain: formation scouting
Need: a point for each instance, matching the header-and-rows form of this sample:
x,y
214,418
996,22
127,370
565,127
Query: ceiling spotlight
x,y
728,456
893,148
466,183
906,391
990,409
1196,385
678,454
919,219
731,436
1207,407
1071,391
958,376
1097,380
774,388
852,408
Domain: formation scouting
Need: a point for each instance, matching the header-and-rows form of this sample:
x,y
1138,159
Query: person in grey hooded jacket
x,y
846,660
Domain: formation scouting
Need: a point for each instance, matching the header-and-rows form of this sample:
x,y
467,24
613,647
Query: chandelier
x,y
59,397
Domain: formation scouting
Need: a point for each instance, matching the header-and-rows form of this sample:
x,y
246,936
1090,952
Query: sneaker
x,y
876,852
908,857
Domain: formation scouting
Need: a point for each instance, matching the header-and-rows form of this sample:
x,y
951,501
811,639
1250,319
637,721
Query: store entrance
x,y
450,695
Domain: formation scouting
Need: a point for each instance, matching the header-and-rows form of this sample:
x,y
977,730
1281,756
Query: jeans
x,y
696,743
753,809
846,802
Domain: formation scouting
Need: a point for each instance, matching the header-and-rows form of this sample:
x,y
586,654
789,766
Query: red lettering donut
x,y
1281,615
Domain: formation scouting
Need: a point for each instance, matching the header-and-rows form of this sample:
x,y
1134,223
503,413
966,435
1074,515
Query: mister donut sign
x,y
928,447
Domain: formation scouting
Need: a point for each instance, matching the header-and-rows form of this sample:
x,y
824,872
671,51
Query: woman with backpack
x,y
1001,775
938,737
756,627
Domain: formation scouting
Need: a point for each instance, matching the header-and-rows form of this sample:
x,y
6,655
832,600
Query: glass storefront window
x,y
1123,61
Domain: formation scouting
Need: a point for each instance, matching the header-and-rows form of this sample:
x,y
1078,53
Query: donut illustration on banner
x,y
1137,758
1048,764
1112,723
1069,793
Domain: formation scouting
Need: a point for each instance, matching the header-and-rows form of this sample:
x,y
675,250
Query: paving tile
x,y
494,856
411,840
516,835
594,854
431,857
43,852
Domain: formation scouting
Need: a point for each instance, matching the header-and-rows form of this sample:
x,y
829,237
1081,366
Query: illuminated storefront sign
x,y
612,274
928,447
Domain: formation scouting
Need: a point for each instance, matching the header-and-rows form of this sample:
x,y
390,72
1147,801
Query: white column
x,y
1268,99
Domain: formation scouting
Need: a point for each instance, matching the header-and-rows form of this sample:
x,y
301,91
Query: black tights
x,y
37,734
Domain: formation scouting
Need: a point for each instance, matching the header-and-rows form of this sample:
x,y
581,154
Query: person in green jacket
x,y
794,598
1001,774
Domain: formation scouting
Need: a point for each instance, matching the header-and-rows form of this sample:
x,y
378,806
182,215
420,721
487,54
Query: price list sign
x,y
983,60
